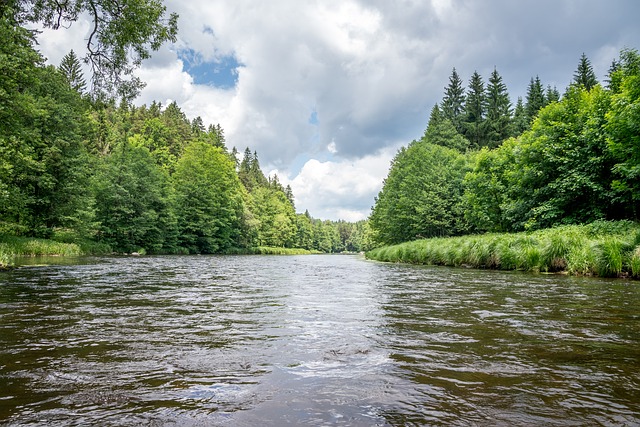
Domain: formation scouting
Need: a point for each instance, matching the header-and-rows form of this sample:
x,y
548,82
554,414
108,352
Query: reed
x,y
635,263
609,262
24,246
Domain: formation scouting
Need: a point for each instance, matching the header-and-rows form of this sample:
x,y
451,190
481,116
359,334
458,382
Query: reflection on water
x,y
313,340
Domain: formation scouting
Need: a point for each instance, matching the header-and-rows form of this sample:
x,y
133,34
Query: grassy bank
x,y
268,250
12,247
608,249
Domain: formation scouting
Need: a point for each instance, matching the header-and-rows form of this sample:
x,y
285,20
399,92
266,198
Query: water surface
x,y
313,340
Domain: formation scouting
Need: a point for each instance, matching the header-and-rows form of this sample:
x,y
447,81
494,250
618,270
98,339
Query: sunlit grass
x,y
610,249
268,250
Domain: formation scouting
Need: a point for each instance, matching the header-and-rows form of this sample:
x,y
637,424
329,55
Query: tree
x,y
250,173
440,131
276,217
422,195
486,188
474,111
521,121
551,95
209,199
560,172
584,75
72,71
453,102
123,34
134,201
535,98
43,161
304,231
623,137
499,126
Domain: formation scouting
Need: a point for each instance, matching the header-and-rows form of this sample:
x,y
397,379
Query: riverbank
x,y
12,247
606,249
270,250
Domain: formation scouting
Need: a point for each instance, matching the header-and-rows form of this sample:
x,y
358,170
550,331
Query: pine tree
x,y
197,126
615,66
474,111
440,131
520,119
535,98
584,75
499,126
453,101
289,193
72,71
250,173
551,95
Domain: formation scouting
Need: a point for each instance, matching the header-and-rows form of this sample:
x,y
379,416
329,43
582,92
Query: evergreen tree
x,y
551,95
535,98
520,119
499,126
72,71
440,131
474,111
615,66
250,173
584,75
289,193
453,101
197,126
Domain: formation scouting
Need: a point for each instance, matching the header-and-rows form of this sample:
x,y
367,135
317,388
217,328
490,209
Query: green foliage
x,y
134,202
486,188
623,131
475,108
535,98
24,246
44,165
422,196
123,34
441,131
584,75
209,199
453,101
276,218
72,72
559,172
499,126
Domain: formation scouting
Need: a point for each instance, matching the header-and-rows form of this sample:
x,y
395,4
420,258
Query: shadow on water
x,y
313,340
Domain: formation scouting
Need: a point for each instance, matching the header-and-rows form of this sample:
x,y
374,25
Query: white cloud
x,y
341,189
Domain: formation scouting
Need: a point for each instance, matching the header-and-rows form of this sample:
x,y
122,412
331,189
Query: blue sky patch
x,y
313,118
222,73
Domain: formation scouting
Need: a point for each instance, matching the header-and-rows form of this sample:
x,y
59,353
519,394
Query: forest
x,y
486,166
81,164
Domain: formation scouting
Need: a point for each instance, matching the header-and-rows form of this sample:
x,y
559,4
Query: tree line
x,y
76,164
484,166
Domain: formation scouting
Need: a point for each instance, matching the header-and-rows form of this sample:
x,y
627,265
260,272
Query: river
x,y
313,340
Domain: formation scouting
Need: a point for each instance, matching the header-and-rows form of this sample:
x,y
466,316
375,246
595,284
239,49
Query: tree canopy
x,y
123,33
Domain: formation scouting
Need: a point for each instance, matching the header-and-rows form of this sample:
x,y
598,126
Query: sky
x,y
326,91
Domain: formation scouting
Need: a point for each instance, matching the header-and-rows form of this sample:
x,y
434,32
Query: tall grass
x,y
610,249
268,250
12,247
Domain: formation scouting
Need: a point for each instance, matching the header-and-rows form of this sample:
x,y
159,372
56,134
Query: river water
x,y
313,340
